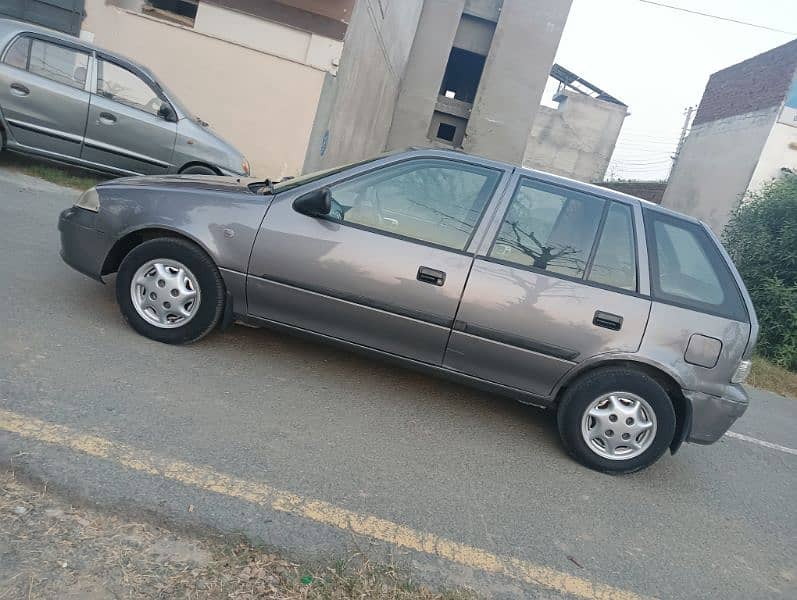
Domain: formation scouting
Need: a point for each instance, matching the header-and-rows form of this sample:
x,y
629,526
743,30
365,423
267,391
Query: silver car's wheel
x,y
619,426
165,293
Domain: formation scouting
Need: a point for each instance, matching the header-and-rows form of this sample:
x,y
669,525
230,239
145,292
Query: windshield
x,y
287,184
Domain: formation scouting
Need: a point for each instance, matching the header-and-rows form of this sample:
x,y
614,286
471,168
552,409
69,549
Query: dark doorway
x,y
63,15
463,73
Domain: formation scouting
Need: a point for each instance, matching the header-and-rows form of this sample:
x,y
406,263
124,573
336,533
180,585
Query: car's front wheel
x,y
616,420
170,290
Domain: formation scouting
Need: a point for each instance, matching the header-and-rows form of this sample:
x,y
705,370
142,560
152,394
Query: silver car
x,y
628,319
67,100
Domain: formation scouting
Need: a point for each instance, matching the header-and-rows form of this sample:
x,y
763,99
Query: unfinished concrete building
x,y
577,138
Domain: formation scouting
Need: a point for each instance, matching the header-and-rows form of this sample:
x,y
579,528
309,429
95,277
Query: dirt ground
x,y
52,549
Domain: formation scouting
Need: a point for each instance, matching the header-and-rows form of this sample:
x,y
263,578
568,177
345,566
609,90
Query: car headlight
x,y
245,167
89,200
742,371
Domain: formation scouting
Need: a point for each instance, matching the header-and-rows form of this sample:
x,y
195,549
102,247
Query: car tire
x,y
616,420
198,170
170,269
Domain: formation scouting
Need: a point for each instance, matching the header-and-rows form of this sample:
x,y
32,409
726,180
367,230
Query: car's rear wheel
x,y
198,170
616,420
170,290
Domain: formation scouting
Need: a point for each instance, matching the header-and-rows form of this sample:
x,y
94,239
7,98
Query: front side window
x,y
688,269
59,63
548,228
120,85
615,258
430,200
17,54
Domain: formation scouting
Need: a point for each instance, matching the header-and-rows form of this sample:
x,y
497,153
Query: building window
x,y
177,11
446,132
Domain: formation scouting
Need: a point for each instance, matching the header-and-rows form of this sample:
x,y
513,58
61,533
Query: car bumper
x,y
83,247
712,416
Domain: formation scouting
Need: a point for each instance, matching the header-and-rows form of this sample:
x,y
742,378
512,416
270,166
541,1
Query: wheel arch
x,y
660,373
130,239
199,163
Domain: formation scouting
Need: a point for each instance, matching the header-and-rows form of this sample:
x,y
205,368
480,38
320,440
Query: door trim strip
x,y
517,341
125,153
362,301
56,133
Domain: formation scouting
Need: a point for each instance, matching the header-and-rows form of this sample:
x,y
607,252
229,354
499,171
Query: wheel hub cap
x,y
165,293
619,426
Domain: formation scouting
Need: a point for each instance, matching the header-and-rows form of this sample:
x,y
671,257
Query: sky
x,y
658,60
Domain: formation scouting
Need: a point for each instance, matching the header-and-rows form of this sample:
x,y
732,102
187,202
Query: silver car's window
x,y
688,270
615,258
59,63
123,86
548,228
430,200
17,54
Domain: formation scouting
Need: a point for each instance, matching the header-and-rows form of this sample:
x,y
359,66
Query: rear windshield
x,y
688,270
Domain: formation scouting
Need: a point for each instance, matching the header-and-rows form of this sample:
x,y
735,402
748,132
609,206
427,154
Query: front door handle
x,y
19,90
433,276
607,320
107,118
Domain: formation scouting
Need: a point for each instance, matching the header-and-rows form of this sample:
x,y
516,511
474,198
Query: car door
x,y
43,95
387,267
124,129
556,283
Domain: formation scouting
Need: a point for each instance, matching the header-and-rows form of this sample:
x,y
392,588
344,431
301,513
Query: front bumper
x,y
712,416
83,247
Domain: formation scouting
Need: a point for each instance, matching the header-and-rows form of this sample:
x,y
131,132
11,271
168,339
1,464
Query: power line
x,y
719,18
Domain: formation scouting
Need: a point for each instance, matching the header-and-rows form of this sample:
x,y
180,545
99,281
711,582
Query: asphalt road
x,y
710,522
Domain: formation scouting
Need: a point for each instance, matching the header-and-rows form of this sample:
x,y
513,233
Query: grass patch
x,y
57,173
772,377
53,549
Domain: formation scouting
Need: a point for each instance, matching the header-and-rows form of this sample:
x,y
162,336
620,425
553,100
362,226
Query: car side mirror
x,y
315,204
167,112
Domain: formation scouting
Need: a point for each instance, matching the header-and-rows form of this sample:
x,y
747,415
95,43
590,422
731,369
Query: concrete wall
x,y
716,164
241,91
576,139
356,109
780,150
426,66
526,38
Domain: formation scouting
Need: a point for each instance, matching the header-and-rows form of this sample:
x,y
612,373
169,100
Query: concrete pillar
x,y
427,65
523,49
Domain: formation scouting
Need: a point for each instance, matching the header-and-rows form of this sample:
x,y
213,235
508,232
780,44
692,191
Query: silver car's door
x,y
387,267
124,128
555,282
43,96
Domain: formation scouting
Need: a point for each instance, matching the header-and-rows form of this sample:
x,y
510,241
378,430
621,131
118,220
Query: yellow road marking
x,y
205,478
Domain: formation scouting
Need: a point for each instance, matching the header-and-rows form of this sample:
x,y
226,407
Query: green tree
x,y
761,237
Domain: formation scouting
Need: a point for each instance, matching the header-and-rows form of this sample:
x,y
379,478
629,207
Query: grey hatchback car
x,y
67,100
628,319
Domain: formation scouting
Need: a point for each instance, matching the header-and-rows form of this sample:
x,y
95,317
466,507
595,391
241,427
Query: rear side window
x,y
549,228
615,258
17,54
59,63
688,270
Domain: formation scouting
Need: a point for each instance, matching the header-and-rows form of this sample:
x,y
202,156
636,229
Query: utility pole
x,y
688,111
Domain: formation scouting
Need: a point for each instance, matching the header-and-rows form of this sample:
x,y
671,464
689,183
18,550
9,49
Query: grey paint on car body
x,y
62,122
516,331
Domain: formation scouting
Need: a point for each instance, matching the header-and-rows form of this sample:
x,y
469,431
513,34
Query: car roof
x,y
11,27
559,180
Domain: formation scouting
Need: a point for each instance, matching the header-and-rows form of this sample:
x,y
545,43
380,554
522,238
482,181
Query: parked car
x,y
68,100
628,318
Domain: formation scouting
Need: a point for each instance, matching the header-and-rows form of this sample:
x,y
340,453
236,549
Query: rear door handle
x,y
432,276
607,320
107,118
19,90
